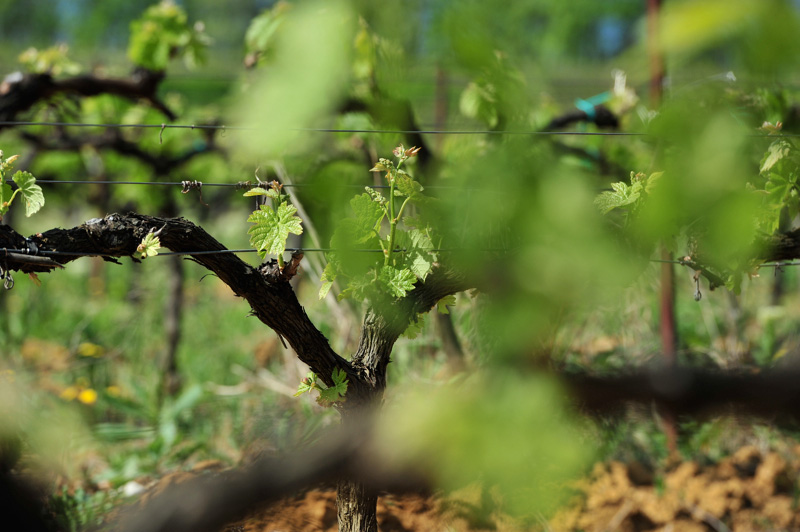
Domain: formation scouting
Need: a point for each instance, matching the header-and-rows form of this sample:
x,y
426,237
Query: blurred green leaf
x,y
777,151
304,80
759,34
163,33
441,306
511,431
415,328
51,60
262,33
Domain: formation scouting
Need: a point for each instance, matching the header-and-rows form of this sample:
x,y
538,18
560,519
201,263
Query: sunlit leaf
x,y
149,246
31,192
621,196
328,277
272,228
397,282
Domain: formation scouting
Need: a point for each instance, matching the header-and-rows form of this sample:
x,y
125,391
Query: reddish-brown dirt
x,y
315,511
749,491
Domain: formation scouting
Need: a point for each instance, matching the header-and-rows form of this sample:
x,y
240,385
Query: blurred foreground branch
x,y
689,391
207,503
20,93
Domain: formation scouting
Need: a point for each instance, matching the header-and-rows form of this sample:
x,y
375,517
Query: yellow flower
x,y
114,390
87,396
70,393
88,349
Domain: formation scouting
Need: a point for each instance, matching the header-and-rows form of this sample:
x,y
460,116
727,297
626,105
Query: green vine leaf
x,y
268,192
441,306
415,327
406,185
368,214
272,228
149,246
421,254
621,196
163,33
398,282
336,393
307,384
328,276
31,192
358,289
777,151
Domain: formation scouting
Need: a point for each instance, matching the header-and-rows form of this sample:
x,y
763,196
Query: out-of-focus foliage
x,y
513,211
508,431
52,60
262,34
758,34
163,33
303,84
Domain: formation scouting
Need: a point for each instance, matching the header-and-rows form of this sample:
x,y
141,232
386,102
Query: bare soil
x,y
315,511
749,491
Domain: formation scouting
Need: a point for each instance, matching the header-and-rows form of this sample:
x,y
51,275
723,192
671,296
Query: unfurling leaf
x,y
31,192
307,384
257,191
272,228
383,165
327,278
268,192
149,246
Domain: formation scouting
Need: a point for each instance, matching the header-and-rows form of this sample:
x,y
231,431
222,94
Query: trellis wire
x,y
327,130
43,252
316,250
375,131
240,184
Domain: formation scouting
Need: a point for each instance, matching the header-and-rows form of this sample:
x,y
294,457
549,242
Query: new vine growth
x,y
406,245
27,189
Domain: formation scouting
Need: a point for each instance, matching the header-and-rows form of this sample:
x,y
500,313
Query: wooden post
x,y
668,329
